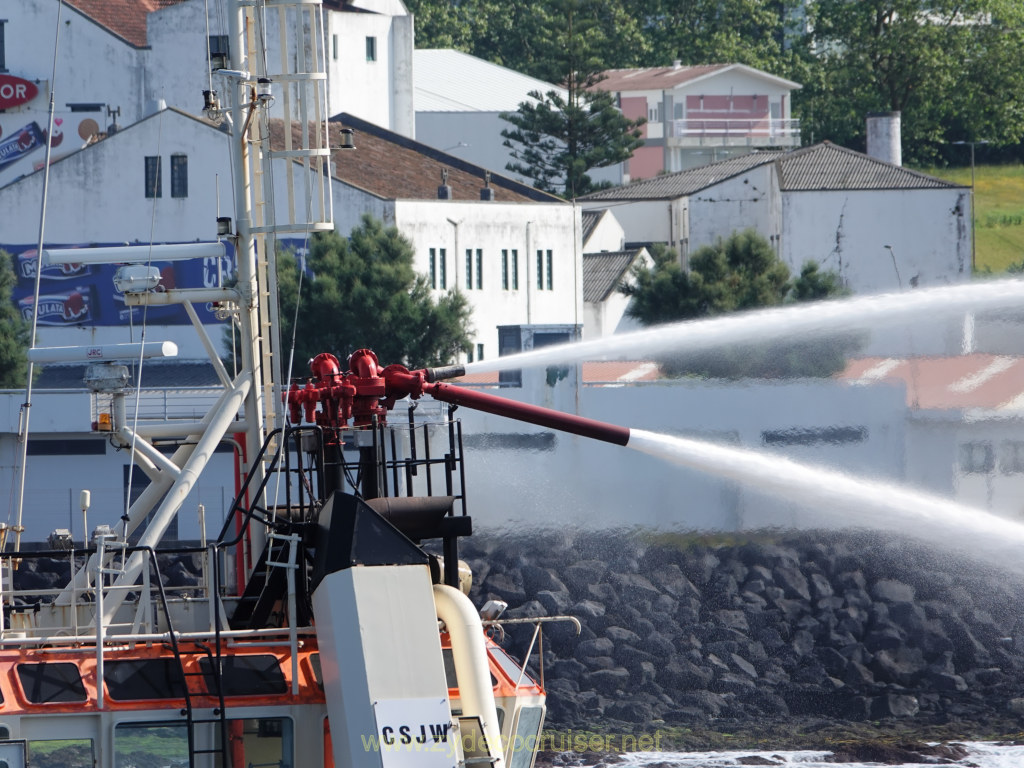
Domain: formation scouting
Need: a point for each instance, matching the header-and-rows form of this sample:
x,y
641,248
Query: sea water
x,y
980,755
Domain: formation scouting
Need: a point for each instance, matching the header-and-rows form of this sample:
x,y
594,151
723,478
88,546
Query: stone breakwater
x,y
684,630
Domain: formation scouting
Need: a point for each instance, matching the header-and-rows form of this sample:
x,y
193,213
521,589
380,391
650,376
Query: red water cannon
x,y
367,391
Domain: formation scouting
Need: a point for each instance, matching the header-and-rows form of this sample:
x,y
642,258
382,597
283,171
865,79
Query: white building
x,y
701,114
881,227
121,62
514,251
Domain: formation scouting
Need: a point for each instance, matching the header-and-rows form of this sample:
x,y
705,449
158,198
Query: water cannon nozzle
x,y
445,372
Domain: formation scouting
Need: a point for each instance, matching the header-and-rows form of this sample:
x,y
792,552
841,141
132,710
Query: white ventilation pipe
x,y
471,668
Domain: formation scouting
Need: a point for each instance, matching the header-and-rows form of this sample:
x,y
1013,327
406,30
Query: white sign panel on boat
x,y
414,733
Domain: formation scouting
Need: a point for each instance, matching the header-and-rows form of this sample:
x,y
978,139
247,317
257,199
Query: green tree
x,y
365,293
17,334
556,140
741,272
951,67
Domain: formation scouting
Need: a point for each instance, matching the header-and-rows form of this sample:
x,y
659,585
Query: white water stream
x,y
801,320
840,499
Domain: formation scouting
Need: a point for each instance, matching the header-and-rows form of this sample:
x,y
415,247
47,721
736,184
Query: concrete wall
x,y
471,136
928,231
749,201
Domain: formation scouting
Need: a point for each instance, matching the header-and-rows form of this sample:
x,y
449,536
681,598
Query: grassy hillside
x,y
999,212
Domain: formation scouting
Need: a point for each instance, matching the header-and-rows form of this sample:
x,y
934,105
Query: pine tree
x,y
16,336
555,140
364,292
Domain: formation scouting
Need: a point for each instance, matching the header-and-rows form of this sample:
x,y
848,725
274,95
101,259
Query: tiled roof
x,y
602,273
672,185
452,81
666,78
827,166
125,18
598,373
394,167
590,221
820,167
986,382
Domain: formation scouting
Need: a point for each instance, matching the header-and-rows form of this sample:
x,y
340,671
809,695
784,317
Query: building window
x,y
469,355
504,269
443,268
469,269
976,458
433,268
179,175
371,49
334,47
220,52
540,270
515,270
3,52
479,269
479,351
549,271
154,184
1011,459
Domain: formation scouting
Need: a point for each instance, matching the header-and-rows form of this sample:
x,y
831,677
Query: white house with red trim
x,y
702,114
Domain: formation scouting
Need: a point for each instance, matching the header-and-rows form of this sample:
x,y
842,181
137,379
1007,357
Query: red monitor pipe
x,y
425,381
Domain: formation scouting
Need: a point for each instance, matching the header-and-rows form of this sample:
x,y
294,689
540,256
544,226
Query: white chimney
x,y
884,137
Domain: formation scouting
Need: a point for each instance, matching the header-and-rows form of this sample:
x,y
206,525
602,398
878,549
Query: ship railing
x,y
537,639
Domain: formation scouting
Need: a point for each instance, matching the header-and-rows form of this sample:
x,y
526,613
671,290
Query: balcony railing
x,y
765,127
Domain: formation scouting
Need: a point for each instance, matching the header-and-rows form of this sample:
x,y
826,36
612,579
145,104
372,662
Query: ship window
x,y
449,670
510,667
245,676
144,679
48,682
318,672
150,744
5,732
267,741
67,753
527,734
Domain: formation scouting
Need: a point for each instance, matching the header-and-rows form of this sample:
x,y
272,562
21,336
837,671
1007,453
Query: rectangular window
x,y
371,48
549,272
515,270
469,268
442,253
469,355
479,351
3,52
540,270
179,175
433,268
154,184
1011,460
334,47
504,269
220,52
976,458
479,268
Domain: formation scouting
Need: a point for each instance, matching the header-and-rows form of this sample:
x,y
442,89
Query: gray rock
x,y
621,635
555,603
793,582
895,705
892,591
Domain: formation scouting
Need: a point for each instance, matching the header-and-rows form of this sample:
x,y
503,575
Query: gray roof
x,y
829,167
590,220
445,80
602,272
820,167
681,183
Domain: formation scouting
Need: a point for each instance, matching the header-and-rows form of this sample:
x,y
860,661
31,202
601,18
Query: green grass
x,y
999,212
